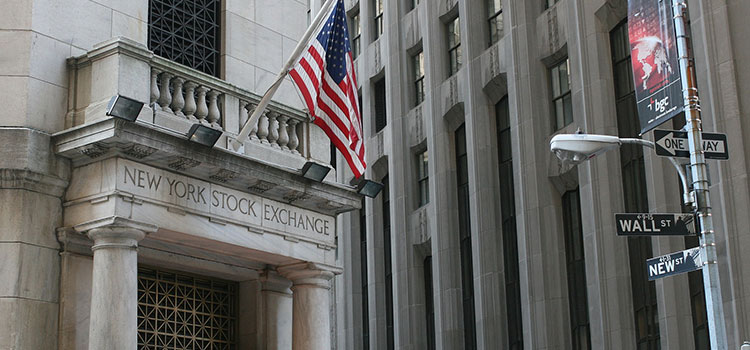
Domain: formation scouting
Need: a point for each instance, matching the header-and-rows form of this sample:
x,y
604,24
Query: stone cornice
x,y
109,137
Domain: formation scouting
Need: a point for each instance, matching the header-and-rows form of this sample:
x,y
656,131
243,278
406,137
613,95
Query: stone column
x,y
311,328
114,288
276,324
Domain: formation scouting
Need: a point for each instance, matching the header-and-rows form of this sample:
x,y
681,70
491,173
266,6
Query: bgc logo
x,y
659,105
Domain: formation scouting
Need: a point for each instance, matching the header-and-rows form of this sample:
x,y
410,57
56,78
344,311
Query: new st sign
x,y
673,143
648,224
674,264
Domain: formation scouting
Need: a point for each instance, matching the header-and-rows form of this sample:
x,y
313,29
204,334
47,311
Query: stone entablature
x,y
197,213
219,204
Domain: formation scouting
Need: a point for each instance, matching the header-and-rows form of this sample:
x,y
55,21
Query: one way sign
x,y
673,143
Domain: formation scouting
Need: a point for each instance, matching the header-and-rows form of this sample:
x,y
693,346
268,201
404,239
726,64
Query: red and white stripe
x,y
335,107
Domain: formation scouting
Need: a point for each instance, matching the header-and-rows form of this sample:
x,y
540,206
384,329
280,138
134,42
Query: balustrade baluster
x,y
263,128
190,106
283,132
273,129
254,131
165,98
293,137
214,114
178,102
202,110
154,88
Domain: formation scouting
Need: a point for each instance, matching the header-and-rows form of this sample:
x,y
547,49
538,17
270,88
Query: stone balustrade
x,y
197,99
179,96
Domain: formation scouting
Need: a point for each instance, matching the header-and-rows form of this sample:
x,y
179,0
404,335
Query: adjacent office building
x,y
483,238
128,234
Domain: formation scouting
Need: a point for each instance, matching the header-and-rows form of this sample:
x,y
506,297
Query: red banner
x,y
653,53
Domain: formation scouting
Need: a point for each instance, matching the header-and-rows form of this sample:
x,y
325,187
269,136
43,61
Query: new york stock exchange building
x,y
125,235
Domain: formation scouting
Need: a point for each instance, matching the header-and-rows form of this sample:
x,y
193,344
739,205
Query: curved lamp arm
x,y
686,197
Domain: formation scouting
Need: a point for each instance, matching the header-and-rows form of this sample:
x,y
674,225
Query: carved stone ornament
x,y
182,163
261,186
94,150
139,151
224,175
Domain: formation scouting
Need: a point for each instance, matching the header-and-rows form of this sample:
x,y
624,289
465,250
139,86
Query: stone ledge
x,y
21,179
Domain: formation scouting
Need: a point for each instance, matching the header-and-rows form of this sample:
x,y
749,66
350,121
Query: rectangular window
x,y
181,311
418,66
510,236
387,266
363,273
356,33
414,4
378,19
495,13
454,45
464,232
635,191
549,3
423,182
172,25
429,303
576,271
561,99
380,110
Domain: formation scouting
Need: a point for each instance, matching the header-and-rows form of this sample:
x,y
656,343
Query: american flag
x,y
325,77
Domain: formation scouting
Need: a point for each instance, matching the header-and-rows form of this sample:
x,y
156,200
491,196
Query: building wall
x,y
516,67
46,285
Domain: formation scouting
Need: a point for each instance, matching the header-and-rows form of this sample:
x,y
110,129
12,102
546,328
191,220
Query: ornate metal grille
x,y
187,32
177,311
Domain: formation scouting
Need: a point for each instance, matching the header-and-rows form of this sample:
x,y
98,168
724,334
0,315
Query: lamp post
x,y
578,148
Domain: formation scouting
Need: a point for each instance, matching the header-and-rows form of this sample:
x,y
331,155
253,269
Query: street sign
x,y
674,143
647,224
674,264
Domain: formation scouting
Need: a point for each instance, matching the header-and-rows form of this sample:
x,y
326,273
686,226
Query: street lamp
x,y
578,148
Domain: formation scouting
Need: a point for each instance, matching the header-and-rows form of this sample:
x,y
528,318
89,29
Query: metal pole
x,y
686,197
711,284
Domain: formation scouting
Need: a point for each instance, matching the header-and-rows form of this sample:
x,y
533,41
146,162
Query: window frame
x,y
575,258
166,33
492,22
453,30
464,232
418,68
363,276
423,179
355,32
560,116
387,264
380,108
378,25
514,315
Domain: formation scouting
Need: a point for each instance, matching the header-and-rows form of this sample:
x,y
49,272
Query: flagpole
x,y
301,45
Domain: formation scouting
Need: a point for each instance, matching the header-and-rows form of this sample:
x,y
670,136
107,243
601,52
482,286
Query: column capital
x,y
115,237
271,281
309,273
115,232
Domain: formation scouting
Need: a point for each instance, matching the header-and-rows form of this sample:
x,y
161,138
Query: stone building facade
x,y
125,235
483,239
